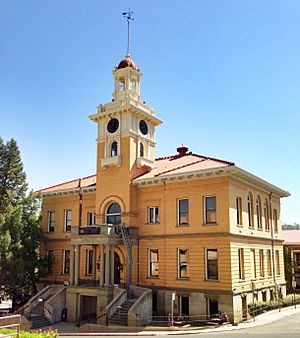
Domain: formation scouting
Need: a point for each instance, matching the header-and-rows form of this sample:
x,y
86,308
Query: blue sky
x,y
223,75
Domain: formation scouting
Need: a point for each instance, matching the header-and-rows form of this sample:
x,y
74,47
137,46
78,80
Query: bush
x,y
33,334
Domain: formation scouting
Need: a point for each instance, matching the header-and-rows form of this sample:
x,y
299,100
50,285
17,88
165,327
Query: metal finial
x,y
129,17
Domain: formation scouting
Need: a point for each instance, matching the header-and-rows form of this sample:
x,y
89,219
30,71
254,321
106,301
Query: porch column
x,y
77,264
94,262
101,265
72,265
112,264
107,266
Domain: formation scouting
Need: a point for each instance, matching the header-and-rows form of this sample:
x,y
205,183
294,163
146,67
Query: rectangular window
x,y
269,263
261,262
153,263
183,263
89,262
275,220
183,212
153,215
239,211
50,257
277,262
241,264
210,210
212,264
212,307
51,221
66,261
253,264
68,220
91,218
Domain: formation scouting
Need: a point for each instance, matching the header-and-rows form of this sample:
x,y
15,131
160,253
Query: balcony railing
x,y
100,229
89,230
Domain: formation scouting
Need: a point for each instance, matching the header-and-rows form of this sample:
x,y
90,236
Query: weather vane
x,y
129,16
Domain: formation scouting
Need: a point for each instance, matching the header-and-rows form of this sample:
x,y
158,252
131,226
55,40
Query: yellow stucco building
x,y
142,228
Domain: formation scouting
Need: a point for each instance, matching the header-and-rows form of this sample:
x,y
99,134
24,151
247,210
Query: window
x,y
275,220
50,257
68,220
121,84
210,209
264,296
241,264
133,85
297,259
153,215
141,150
250,210
66,261
91,218
266,215
212,264
183,263
114,149
239,211
277,262
269,263
113,214
253,264
261,263
51,221
183,212
89,262
258,213
153,263
212,307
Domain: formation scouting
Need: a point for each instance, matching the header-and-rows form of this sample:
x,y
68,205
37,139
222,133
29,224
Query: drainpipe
x,y
80,203
272,242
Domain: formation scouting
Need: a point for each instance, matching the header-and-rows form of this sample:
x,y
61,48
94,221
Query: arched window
x,y
113,214
258,213
266,215
250,210
141,150
114,149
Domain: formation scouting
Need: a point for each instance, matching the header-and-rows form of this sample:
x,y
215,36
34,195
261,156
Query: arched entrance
x,y
118,268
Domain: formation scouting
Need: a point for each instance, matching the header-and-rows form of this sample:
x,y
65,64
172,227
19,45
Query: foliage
x,y
289,268
34,334
20,232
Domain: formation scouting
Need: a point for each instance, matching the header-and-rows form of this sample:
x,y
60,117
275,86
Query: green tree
x,y
20,232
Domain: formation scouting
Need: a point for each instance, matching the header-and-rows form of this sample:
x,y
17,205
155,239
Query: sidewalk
x,y
66,329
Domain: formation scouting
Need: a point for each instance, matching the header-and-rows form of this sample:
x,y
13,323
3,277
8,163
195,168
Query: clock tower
x,y
125,142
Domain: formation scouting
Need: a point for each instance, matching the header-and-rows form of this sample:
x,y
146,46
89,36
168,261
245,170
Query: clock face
x,y
143,127
113,125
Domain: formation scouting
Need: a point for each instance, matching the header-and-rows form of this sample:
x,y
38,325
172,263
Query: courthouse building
x,y
143,228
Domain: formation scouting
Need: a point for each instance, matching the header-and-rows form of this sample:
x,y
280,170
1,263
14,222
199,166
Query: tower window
x,y
141,150
114,149
113,214
133,86
121,84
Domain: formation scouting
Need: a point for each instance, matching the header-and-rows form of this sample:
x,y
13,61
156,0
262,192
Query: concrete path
x,y
67,329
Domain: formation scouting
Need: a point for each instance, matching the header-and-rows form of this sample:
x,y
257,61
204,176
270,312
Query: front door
x,y
244,308
118,267
185,306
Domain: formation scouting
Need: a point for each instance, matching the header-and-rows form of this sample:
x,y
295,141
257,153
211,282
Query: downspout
x,y
272,243
80,203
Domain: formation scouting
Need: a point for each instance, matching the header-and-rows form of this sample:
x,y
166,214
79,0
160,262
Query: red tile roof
x,y
164,166
291,236
77,183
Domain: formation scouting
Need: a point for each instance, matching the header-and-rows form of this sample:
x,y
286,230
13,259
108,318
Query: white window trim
x,y
178,263
148,214
178,213
206,266
149,263
49,220
65,219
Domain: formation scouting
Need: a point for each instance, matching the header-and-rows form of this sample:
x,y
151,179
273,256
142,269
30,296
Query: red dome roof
x,y
127,62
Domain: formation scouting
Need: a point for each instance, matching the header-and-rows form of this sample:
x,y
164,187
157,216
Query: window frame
x,y
89,262
151,264
114,149
241,258
250,210
51,222
269,262
67,227
207,276
50,257
65,271
266,215
180,214
180,263
253,263
275,220
261,263
116,214
91,218
239,210
155,215
209,211
258,213
277,258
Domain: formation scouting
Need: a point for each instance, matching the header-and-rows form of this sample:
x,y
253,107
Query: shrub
x,y
33,334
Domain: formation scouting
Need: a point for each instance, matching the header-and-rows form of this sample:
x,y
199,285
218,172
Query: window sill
x,y
152,277
259,229
208,224
211,280
242,280
183,278
182,225
152,223
239,225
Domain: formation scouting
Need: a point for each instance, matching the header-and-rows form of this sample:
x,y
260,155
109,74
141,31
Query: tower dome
x,y
127,62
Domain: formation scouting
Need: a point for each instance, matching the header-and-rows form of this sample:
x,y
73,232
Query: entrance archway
x,y
118,268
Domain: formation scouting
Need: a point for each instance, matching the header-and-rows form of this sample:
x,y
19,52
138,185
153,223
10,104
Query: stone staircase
x,y
37,316
120,317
